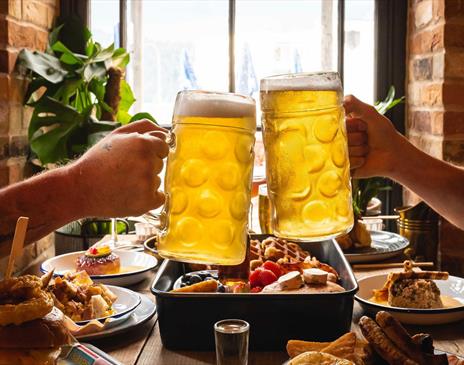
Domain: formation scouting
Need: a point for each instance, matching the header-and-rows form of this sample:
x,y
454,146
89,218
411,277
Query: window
x,y
228,45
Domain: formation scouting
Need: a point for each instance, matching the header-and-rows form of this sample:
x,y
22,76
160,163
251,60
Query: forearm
x,y
439,184
50,200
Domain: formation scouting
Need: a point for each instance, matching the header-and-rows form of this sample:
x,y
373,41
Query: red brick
x,y
453,93
439,66
4,147
422,68
423,14
453,151
18,146
14,8
453,8
431,94
4,86
454,63
35,12
429,144
17,90
4,117
7,60
3,30
438,9
21,36
41,40
51,14
16,169
454,35
427,40
15,118
420,121
453,123
4,175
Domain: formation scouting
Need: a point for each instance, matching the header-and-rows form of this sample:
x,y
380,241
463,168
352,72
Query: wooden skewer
x,y
17,245
390,265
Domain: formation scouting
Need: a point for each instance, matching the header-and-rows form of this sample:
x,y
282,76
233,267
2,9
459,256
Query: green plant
x,y
69,87
366,189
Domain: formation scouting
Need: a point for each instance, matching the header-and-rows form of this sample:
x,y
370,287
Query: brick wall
x,y
23,24
435,97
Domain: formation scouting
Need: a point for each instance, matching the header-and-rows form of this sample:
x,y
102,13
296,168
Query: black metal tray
x,y
186,319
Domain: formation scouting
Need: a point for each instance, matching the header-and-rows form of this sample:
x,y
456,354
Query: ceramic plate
x,y
437,352
137,264
384,245
144,312
453,287
127,301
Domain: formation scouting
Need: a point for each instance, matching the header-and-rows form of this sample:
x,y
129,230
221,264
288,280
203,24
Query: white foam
x,y
302,81
218,105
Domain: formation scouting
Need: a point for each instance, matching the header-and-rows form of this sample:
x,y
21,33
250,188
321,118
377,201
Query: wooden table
x,y
143,344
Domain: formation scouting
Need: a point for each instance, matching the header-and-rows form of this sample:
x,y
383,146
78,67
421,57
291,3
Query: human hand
x,y
118,176
373,141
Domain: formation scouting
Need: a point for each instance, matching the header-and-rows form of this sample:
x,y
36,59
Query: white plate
x,y
142,261
384,245
144,312
126,302
453,287
437,352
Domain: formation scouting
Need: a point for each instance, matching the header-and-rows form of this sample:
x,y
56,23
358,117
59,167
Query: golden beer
x,y
208,179
308,171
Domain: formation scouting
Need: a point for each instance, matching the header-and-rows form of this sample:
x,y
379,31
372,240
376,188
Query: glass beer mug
x,y
208,178
308,171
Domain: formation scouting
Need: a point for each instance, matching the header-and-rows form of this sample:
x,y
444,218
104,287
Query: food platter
x,y
127,301
453,287
136,267
143,313
384,245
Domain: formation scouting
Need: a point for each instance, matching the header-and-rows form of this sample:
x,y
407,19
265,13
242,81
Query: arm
x,y
377,149
117,177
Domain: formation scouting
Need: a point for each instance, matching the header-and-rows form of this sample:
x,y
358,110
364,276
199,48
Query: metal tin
x,y
186,319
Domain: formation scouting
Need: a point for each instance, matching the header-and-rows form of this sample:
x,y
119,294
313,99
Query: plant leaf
x,y
127,99
140,116
45,65
66,55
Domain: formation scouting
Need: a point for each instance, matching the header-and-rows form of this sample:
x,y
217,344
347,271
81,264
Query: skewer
x,y
17,245
390,265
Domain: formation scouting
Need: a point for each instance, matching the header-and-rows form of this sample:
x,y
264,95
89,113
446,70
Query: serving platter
x,y
143,313
126,302
453,287
384,245
136,266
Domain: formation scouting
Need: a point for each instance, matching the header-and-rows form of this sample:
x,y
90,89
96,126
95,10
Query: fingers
x,y
356,162
358,151
158,199
160,134
158,165
357,139
141,126
356,108
355,125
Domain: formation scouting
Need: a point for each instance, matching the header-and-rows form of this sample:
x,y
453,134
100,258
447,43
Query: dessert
x,y
411,289
31,331
77,296
99,260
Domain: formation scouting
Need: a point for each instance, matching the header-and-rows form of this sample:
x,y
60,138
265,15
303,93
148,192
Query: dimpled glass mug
x,y
308,170
208,178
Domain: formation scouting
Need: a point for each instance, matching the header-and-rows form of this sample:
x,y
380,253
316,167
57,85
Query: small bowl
x,y
150,247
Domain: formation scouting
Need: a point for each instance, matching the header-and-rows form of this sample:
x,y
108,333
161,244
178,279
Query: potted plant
x,y
78,94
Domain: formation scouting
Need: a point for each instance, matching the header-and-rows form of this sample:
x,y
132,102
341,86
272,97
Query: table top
x,y
142,345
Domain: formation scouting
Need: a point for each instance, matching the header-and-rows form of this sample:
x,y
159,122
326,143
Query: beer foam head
x,y
214,105
302,81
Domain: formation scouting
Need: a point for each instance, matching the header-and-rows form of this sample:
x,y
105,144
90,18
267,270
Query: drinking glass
x,y
231,337
308,171
208,178
264,210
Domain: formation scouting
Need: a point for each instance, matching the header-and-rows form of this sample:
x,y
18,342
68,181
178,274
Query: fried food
x,y
358,237
393,343
77,296
318,358
208,286
382,344
347,347
23,299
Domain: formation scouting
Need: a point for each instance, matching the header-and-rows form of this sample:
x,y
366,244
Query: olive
x,y
195,279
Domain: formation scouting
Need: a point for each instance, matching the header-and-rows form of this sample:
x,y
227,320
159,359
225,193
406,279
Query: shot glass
x,y
231,337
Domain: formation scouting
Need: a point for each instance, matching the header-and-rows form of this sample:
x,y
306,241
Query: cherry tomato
x,y
275,268
254,278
